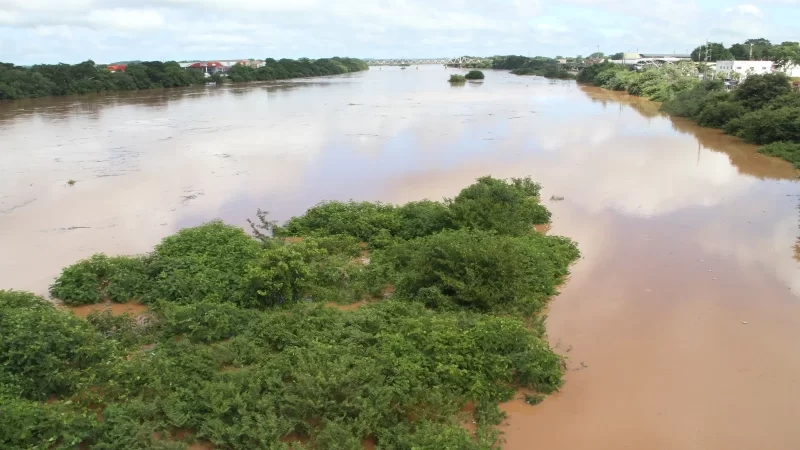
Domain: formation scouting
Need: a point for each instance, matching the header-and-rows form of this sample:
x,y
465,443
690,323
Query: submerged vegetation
x,y
455,78
240,350
474,75
763,109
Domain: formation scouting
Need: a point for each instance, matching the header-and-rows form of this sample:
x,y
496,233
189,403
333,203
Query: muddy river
x,y
681,321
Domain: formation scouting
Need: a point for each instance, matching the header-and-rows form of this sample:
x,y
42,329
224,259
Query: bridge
x,y
463,60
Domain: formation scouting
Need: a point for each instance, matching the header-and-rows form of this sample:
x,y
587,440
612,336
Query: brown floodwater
x,y
686,233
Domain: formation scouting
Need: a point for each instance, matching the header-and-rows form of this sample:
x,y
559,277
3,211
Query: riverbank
x,y
87,77
762,110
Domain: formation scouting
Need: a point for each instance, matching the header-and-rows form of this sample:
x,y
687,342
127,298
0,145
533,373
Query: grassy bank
x,y
64,79
761,110
241,347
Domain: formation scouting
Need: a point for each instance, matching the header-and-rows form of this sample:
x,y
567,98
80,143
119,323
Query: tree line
x,y
783,54
762,110
243,345
538,65
290,68
45,80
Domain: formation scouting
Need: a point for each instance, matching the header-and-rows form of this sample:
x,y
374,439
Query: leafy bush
x,y
719,113
790,151
92,280
474,75
26,424
455,78
208,260
44,351
764,126
423,218
483,271
362,220
758,90
505,207
203,321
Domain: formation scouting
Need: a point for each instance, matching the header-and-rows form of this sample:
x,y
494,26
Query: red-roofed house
x,y
210,67
117,68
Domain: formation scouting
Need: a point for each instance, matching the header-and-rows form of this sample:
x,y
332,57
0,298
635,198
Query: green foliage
x,y
44,351
240,350
120,279
362,220
717,114
790,151
474,75
195,263
289,68
764,126
715,52
26,424
87,77
484,271
505,207
455,78
758,90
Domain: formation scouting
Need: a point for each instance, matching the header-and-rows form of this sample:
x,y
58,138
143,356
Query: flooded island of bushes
x,y
354,325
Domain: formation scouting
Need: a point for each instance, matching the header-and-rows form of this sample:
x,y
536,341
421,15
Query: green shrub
x,y
26,424
474,75
483,271
507,207
362,220
455,78
423,218
92,280
758,90
203,321
720,113
195,263
45,351
280,275
764,126
790,151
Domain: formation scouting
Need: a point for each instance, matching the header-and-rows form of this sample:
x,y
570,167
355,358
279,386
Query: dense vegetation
x,y
474,75
290,68
762,110
541,66
239,348
456,78
783,54
86,77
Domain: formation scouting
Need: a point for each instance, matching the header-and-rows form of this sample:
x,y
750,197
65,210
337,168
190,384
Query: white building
x,y
743,68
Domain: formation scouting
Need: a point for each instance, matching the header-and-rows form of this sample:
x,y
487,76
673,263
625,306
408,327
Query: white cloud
x,y
155,29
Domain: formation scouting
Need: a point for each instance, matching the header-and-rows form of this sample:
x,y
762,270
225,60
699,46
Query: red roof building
x,y
117,68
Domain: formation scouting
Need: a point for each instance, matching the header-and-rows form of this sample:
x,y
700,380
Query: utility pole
x,y
751,51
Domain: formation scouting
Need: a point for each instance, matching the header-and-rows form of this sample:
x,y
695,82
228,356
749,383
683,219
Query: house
x,y
116,68
210,67
742,69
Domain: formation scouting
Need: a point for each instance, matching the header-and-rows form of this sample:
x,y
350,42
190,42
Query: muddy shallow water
x,y
685,233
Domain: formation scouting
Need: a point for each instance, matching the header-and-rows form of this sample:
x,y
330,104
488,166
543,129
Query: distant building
x,y
743,68
792,70
117,68
634,59
211,67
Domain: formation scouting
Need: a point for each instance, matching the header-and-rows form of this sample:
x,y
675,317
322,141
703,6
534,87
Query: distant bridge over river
x,y
460,61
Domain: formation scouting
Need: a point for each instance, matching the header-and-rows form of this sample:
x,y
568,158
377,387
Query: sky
x,y
70,31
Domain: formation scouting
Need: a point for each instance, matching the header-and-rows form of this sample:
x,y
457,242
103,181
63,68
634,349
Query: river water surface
x,y
686,234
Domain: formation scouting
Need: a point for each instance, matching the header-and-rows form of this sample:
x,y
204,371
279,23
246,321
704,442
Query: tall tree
x,y
716,52
786,55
